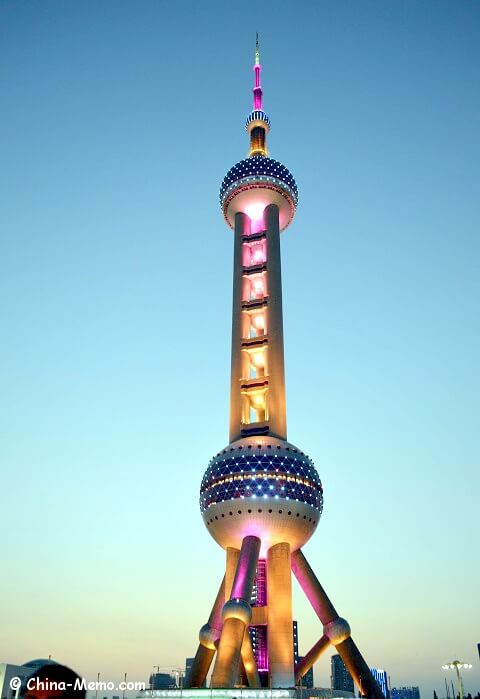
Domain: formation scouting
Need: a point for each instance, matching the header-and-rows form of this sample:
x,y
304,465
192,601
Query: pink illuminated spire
x,y
257,90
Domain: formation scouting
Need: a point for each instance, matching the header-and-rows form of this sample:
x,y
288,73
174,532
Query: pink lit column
x,y
237,615
277,411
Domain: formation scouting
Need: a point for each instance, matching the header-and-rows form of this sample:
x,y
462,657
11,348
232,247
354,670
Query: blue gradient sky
x,y
118,122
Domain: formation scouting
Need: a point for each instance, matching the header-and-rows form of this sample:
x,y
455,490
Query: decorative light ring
x,y
257,118
275,187
259,168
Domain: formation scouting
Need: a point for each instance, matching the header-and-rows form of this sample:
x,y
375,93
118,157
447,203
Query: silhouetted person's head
x,y
54,682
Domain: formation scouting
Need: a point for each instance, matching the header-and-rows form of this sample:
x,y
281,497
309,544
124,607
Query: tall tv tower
x,y
261,497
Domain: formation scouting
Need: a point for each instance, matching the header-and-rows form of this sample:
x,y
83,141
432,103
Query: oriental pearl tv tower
x,y
261,497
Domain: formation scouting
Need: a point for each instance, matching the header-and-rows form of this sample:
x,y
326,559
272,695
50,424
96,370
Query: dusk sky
x,y
118,121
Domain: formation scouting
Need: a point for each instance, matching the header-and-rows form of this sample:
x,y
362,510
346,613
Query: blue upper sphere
x,y
258,170
257,115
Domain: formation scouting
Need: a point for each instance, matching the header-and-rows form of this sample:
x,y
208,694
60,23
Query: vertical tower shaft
x,y
280,622
257,390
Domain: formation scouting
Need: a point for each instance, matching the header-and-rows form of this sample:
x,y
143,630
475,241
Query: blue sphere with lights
x,y
263,486
258,180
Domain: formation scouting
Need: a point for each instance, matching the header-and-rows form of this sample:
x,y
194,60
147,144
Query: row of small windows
x,y
270,511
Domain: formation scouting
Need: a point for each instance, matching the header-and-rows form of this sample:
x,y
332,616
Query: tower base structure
x,y
227,635
245,693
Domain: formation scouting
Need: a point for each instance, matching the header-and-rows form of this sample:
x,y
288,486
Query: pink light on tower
x,y
257,90
254,211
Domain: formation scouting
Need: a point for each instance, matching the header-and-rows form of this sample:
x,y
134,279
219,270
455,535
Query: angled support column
x,y
279,616
336,629
242,227
208,636
236,616
249,662
277,411
304,665
231,567
233,555
359,669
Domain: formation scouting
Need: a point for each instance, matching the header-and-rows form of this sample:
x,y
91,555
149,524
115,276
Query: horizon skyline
x,y
115,140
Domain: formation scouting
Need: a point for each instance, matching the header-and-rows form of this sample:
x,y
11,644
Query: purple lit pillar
x,y
237,614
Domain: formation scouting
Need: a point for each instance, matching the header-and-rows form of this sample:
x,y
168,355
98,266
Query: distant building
x,y
405,693
295,641
162,680
8,672
341,678
307,679
188,668
382,679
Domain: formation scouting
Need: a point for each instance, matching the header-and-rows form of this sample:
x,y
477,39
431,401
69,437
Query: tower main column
x,y
277,409
241,230
257,388
280,617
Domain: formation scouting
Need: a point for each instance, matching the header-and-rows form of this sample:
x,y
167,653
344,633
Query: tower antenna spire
x,y
257,69
258,123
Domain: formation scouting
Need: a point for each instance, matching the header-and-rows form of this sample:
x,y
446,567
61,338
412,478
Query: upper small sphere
x,y
255,182
261,486
258,115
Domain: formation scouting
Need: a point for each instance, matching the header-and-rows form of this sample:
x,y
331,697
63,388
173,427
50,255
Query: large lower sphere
x,y
261,486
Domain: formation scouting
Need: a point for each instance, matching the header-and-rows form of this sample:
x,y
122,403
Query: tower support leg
x,y
236,616
249,662
280,622
304,665
200,667
231,567
208,636
359,669
277,411
336,629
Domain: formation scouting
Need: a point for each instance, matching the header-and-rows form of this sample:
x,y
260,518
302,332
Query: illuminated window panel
x,y
254,406
254,286
254,253
254,323
254,362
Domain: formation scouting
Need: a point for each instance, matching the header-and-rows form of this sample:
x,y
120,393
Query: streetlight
x,y
124,684
457,666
